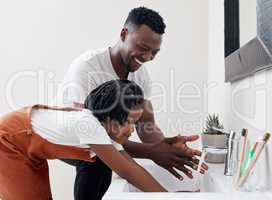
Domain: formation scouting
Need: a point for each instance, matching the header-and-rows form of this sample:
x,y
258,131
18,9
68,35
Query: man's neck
x,y
117,63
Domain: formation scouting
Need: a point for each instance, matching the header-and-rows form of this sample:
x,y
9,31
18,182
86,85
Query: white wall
x,y
44,37
245,103
218,89
39,39
248,20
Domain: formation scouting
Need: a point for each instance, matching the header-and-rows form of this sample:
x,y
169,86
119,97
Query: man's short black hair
x,y
142,15
113,100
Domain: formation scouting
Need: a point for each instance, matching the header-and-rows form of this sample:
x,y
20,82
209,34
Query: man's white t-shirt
x,y
90,70
71,128
86,72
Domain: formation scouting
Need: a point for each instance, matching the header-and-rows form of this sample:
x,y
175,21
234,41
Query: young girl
x,y
30,136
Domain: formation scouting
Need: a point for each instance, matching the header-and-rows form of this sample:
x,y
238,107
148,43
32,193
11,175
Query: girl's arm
x,y
127,169
127,156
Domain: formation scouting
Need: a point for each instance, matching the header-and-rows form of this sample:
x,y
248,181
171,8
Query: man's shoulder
x,y
91,60
90,55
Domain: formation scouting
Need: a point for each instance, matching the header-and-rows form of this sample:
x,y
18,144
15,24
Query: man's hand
x,y
174,153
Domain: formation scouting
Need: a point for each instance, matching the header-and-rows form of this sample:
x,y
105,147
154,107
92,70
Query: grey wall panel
x,y
256,55
247,60
264,22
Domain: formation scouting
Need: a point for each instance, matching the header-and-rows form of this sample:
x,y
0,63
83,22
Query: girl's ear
x,y
115,126
123,34
111,126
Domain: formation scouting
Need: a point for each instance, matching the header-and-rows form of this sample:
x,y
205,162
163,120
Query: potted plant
x,y
211,137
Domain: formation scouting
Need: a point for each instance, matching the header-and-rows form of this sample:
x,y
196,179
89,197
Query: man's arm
x,y
161,150
146,127
147,131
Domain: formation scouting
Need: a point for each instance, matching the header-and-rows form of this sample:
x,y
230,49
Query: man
x,y
140,41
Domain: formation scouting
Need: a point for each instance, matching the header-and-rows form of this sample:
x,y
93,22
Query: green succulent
x,y
213,121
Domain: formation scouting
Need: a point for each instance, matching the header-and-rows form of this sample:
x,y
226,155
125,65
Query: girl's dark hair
x,y
114,99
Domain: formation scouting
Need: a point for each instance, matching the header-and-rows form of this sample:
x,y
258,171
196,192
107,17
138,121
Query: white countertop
x,y
216,171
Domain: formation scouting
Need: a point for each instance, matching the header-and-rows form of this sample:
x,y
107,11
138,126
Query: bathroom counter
x,y
223,189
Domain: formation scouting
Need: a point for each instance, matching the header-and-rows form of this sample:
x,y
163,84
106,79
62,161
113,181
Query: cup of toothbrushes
x,y
252,176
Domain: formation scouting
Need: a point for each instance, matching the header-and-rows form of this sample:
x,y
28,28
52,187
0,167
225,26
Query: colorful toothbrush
x,y
242,153
244,177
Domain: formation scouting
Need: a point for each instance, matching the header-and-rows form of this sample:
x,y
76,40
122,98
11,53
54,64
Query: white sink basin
x,y
213,185
204,183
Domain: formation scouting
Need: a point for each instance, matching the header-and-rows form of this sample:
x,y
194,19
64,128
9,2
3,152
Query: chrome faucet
x,y
231,159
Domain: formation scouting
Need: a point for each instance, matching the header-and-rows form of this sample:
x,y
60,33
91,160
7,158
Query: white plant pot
x,y
217,141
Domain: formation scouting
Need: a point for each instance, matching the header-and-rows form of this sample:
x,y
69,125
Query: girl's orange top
x,y
24,171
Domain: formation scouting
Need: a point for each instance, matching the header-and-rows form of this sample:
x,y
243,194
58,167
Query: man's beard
x,y
129,69
128,66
